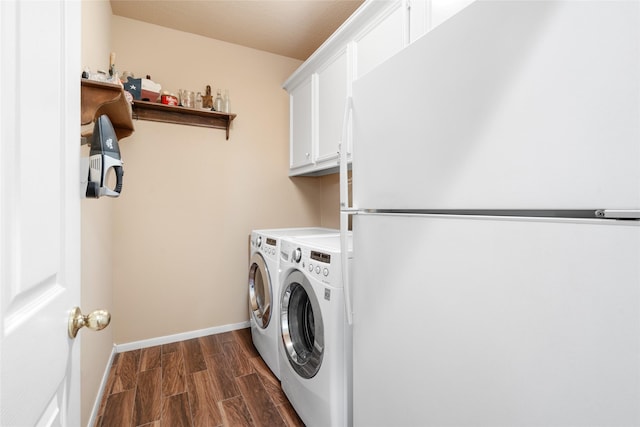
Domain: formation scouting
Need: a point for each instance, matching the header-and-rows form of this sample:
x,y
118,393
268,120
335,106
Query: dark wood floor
x,y
217,380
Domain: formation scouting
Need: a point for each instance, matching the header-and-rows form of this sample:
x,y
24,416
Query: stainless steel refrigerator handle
x,y
344,205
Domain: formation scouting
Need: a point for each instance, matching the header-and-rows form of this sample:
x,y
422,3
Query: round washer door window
x,y
302,327
259,291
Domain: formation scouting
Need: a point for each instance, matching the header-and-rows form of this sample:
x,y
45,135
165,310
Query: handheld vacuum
x,y
104,155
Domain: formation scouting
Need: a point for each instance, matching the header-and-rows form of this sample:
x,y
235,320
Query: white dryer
x,y
264,288
315,345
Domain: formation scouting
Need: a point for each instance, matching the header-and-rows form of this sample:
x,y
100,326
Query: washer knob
x,y
297,255
259,241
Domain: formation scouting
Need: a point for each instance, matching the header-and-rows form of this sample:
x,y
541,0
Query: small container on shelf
x,y
169,99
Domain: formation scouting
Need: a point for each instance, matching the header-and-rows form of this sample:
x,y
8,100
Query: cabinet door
x,y
301,124
333,84
381,40
441,10
418,22
425,15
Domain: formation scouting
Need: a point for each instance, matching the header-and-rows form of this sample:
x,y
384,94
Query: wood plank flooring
x,y
217,380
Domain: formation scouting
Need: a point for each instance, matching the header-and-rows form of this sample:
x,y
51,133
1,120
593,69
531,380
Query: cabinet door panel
x,y
418,15
301,124
425,15
332,92
441,10
381,40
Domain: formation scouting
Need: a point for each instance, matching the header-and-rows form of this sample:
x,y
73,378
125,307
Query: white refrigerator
x,y
496,244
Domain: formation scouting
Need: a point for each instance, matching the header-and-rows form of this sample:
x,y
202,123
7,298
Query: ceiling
x,y
292,28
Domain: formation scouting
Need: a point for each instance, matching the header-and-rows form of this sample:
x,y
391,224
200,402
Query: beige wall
x,y
330,203
96,227
190,197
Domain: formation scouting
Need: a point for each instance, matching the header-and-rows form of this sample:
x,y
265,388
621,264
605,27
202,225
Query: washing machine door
x,y
260,293
301,325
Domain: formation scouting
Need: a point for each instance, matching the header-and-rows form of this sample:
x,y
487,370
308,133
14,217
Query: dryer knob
x,y
297,255
259,241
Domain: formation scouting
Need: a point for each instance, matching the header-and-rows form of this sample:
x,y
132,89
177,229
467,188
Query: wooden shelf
x,y
156,112
98,98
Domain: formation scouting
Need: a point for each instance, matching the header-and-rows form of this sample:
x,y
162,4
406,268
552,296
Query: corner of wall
x,y
96,227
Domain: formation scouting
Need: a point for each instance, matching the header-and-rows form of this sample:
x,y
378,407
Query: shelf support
x,y
98,98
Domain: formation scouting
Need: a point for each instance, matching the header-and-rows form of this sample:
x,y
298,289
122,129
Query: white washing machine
x,y
264,289
315,346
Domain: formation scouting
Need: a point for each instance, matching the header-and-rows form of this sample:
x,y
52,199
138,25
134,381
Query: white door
x,y
40,212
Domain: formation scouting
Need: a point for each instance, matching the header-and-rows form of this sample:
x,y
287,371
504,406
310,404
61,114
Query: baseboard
x,y
135,345
103,385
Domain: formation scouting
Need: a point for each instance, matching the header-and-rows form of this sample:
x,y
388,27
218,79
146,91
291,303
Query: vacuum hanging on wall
x,y
104,155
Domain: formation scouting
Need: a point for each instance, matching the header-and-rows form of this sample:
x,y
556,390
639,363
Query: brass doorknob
x,y
96,320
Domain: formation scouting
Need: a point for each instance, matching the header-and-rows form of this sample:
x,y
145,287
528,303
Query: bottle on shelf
x,y
217,104
226,104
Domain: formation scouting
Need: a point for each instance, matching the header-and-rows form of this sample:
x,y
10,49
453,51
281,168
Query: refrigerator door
x,y
476,321
507,105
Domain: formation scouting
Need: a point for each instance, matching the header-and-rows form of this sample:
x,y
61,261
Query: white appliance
x,y
264,289
315,349
496,247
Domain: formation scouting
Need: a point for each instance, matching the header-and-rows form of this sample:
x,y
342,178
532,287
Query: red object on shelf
x,y
169,100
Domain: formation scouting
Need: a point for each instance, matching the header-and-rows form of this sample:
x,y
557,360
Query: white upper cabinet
x,y
318,89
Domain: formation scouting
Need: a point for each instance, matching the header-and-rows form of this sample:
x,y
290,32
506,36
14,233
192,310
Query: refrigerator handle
x,y
344,206
344,254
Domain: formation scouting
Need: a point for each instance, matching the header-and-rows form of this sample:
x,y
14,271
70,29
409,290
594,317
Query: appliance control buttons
x,y
259,241
310,267
318,269
297,255
325,272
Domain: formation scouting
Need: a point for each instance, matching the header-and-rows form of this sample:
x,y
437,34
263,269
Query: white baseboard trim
x,y
135,345
103,385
